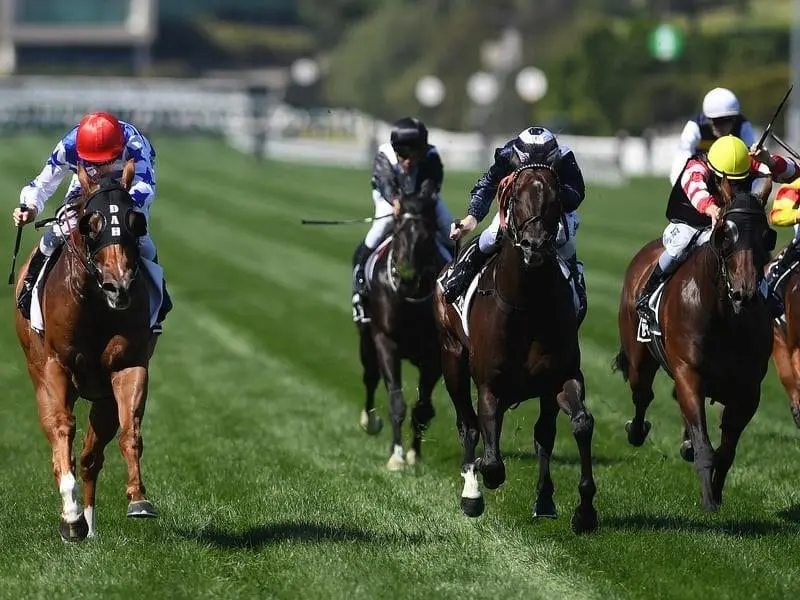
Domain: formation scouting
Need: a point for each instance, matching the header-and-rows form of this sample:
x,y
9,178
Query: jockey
x,y
535,145
693,204
103,144
720,116
785,212
401,166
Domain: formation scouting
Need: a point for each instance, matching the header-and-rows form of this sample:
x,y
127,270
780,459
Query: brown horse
x,y
521,342
786,348
717,336
402,324
97,345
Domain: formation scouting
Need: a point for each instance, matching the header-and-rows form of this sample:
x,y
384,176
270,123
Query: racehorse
x,y
717,336
520,342
402,279
96,344
786,348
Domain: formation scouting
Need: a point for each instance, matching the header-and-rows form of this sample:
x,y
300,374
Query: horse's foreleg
x,y
692,402
370,421
430,370
643,368
544,438
455,369
735,418
571,401
130,391
55,398
793,387
389,361
103,424
490,417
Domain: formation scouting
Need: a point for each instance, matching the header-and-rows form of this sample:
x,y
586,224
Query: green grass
x,y
265,484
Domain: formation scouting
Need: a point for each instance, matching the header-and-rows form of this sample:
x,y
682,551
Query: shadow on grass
x,y
557,459
791,514
300,531
748,528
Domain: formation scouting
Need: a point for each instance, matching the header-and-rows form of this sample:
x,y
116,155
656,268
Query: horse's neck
x,y
706,275
70,274
518,285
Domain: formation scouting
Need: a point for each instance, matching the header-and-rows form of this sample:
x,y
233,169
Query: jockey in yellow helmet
x,y
785,213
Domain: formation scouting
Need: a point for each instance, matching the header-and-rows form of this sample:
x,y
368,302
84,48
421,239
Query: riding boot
x,y
166,306
359,300
576,273
468,265
26,293
782,263
656,278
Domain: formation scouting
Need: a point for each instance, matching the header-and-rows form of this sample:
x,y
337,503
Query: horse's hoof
x,y
544,508
74,532
472,507
396,463
584,521
494,474
796,415
411,458
687,451
371,422
142,509
637,437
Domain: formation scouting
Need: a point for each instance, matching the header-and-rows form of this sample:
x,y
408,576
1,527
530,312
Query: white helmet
x,y
720,102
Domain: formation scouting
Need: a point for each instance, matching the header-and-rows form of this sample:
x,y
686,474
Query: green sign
x,y
666,42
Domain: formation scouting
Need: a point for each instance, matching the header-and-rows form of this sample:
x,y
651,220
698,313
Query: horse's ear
x,y
726,192
136,223
127,174
89,186
762,189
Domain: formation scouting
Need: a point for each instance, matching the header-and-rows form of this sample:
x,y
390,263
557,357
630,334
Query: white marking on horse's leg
x,y
411,457
68,487
89,514
471,489
396,461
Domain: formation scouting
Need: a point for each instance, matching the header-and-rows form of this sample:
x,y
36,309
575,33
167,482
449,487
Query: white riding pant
x,y
382,225
677,240
565,237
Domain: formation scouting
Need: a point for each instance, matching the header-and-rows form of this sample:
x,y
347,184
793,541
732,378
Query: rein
x,y
91,269
393,274
722,256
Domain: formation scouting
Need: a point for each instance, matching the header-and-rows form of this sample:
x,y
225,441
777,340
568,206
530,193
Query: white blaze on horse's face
x,y
117,278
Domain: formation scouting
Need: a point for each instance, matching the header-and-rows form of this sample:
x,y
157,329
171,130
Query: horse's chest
x,y
91,366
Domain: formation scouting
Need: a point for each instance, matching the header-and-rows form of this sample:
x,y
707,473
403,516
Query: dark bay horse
x,y
521,343
402,325
97,345
786,348
717,336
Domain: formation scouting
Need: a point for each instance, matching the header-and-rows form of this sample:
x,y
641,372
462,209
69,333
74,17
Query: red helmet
x,y
100,138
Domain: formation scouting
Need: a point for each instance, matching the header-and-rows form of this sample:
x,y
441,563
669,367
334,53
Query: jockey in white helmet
x,y
721,116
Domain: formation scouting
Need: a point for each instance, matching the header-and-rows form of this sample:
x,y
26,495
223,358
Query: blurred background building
x,y
322,79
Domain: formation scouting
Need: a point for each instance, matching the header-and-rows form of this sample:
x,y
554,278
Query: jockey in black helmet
x,y
401,166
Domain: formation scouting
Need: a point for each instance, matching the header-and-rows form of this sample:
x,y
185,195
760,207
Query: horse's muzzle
x,y
117,296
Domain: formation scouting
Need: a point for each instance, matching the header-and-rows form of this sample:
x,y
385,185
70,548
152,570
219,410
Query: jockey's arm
x,y
36,193
748,134
573,188
383,177
687,146
484,191
142,189
693,182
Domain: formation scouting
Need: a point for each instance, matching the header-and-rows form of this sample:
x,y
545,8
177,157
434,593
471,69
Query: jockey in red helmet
x,y
102,144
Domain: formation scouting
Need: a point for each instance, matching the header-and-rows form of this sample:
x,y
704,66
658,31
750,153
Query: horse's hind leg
x,y
130,391
370,421
571,400
55,398
455,369
642,372
389,361
430,370
103,424
544,438
735,418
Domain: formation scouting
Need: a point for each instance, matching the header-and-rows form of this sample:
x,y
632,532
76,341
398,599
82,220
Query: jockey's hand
x,y
713,211
396,206
463,227
21,217
762,155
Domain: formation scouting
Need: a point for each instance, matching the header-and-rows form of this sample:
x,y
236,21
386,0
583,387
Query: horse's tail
x,y
621,363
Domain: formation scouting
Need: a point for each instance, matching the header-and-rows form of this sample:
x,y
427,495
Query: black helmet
x,y
409,134
537,145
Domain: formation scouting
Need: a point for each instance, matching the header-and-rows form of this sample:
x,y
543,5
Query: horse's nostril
x,y
525,243
109,287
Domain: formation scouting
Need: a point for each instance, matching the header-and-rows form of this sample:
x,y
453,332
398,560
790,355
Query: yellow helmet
x,y
729,157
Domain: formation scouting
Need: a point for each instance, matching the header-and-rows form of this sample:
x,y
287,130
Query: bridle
x,y
508,197
394,275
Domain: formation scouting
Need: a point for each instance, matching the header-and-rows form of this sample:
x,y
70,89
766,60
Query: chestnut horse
x,y
521,342
97,345
717,336
786,349
402,324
